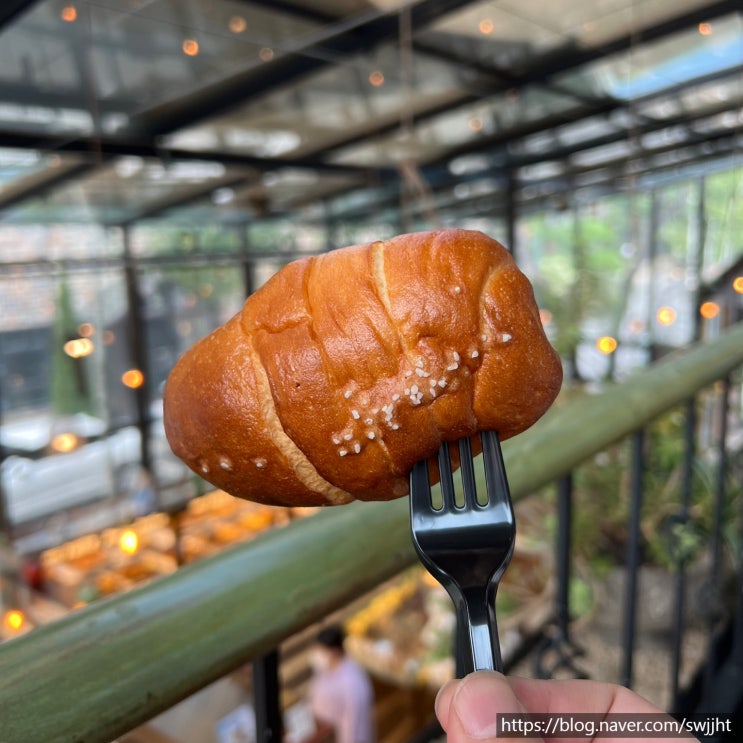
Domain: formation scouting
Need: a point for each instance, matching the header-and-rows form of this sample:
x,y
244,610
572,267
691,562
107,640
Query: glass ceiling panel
x,y
279,190
24,172
126,189
587,129
728,120
342,101
463,126
17,165
512,33
713,94
646,70
275,192
117,60
598,155
128,57
346,7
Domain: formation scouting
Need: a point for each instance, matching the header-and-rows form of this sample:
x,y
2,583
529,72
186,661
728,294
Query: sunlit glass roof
x,y
113,111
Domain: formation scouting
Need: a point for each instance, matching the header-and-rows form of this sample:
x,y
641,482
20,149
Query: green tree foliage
x,y
724,212
583,260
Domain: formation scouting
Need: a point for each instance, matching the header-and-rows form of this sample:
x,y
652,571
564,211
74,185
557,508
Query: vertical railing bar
x,y
713,615
266,698
511,214
137,328
558,641
564,532
680,578
720,482
633,555
6,526
736,651
247,260
734,657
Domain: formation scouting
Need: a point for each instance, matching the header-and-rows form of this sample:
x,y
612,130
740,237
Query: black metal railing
x,y
558,652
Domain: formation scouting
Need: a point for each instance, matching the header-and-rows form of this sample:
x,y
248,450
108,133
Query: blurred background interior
x,y
160,159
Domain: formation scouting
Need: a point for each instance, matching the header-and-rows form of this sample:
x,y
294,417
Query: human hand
x,y
468,709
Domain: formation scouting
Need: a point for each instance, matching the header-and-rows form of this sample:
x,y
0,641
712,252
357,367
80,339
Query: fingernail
x,y
475,705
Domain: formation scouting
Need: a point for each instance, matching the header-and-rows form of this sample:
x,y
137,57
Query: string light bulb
x,y
190,47
237,24
708,310
666,316
64,442
78,348
606,344
132,378
475,124
68,14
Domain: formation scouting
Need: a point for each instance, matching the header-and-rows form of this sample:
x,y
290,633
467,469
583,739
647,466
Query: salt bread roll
x,y
345,369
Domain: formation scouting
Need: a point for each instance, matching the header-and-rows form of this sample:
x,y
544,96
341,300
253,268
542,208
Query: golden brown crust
x,y
345,369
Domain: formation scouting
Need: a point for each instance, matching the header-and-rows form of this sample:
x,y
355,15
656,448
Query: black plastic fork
x,y
467,548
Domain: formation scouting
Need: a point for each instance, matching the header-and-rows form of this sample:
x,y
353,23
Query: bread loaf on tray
x,y
345,369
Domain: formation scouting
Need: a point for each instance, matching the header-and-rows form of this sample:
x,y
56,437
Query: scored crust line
x,y
380,281
301,466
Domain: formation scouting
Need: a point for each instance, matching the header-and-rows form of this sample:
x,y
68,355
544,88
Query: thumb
x,y
468,709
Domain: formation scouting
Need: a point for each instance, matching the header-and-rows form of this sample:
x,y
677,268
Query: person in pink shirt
x,y
341,696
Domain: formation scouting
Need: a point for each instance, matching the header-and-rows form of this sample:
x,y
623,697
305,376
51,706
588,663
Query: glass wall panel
x,y
724,221
181,305
582,261
157,238
66,421
28,242
675,265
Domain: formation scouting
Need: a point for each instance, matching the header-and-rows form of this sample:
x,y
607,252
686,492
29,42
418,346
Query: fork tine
x,y
468,473
420,487
446,478
495,471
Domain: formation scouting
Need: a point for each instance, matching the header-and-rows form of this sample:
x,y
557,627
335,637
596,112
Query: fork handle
x,y
478,647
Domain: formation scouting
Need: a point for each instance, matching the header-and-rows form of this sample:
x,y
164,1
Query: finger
x,y
443,701
574,695
468,709
562,699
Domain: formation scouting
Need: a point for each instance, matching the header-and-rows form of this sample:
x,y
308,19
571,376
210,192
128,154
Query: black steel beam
x,y
11,9
114,147
497,74
620,175
184,199
299,12
26,94
566,151
56,178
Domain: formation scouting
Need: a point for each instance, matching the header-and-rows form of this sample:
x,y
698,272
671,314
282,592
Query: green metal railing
x,y
103,670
